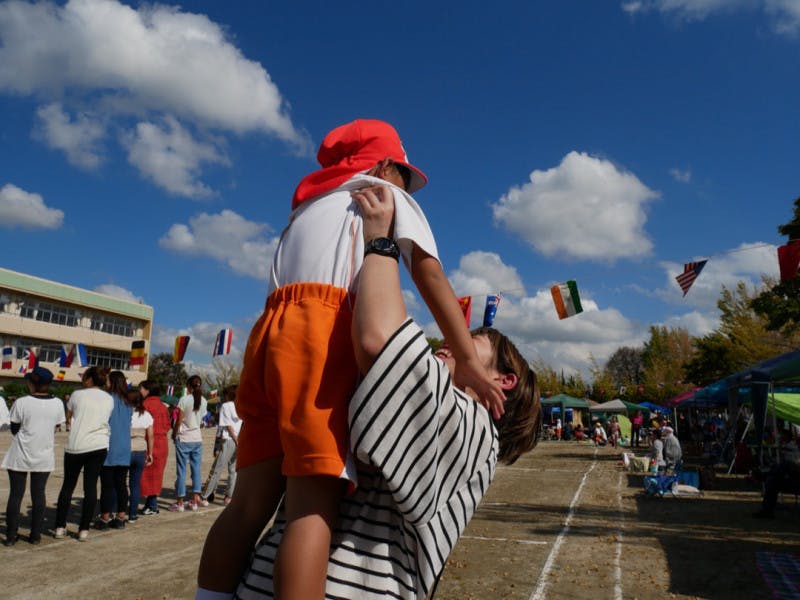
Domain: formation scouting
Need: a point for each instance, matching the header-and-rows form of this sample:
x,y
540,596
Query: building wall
x,y
94,320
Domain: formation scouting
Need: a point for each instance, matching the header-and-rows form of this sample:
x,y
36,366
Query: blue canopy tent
x,y
755,382
655,407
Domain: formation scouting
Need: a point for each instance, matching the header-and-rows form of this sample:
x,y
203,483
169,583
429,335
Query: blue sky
x,y
150,151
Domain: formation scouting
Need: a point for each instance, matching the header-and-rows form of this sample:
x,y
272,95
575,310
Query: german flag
x,y
61,374
181,343
137,353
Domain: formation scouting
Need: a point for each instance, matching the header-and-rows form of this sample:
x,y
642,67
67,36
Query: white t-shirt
x,y
89,429
190,424
228,416
324,242
139,425
32,447
4,422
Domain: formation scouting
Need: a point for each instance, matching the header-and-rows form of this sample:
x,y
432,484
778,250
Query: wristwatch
x,y
383,246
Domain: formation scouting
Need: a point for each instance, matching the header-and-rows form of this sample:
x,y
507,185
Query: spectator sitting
x,y
599,435
672,449
578,433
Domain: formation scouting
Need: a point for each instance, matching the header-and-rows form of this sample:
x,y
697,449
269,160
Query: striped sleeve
x,y
426,438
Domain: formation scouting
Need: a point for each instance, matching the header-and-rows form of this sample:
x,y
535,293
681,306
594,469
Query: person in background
x,y
672,449
189,443
558,429
657,450
88,412
636,425
114,474
4,414
614,431
785,476
153,474
229,426
599,434
141,448
32,420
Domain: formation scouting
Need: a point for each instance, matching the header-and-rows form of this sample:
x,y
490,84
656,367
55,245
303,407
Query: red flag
x,y
789,259
466,308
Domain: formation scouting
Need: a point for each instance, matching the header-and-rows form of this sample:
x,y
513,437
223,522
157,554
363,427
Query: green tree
x,y
712,360
779,304
165,371
625,368
663,357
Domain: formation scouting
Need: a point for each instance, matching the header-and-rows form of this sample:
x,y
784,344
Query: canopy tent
x,y
565,400
675,400
612,406
169,400
786,407
562,402
633,407
655,407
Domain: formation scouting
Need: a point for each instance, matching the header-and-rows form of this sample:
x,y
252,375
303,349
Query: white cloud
x,y
78,139
110,289
226,237
681,175
19,208
485,273
410,298
172,158
157,57
532,323
202,336
785,14
585,208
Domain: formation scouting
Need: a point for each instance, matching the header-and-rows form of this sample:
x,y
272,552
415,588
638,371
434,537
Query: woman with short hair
x,y
33,419
88,411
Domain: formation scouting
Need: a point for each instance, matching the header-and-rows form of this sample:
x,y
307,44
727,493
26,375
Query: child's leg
x,y
301,565
230,540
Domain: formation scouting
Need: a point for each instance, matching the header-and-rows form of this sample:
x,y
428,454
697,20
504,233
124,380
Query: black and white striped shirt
x,y
426,455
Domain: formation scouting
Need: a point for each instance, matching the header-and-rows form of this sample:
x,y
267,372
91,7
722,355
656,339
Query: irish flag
x,y
566,299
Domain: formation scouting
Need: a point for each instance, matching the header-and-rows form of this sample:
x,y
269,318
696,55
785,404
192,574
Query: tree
x,y
713,359
165,371
779,304
222,374
625,368
663,357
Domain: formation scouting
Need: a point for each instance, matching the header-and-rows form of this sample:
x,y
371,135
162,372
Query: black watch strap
x,y
383,246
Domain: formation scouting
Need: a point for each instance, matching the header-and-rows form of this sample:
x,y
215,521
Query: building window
x,y
113,325
49,313
48,353
108,358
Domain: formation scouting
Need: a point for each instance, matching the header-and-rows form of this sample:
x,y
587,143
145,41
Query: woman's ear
x,y
508,381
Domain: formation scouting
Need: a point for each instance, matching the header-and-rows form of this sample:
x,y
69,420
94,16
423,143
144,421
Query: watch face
x,y
383,246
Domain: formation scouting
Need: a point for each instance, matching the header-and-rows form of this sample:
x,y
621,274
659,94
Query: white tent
x,y
612,406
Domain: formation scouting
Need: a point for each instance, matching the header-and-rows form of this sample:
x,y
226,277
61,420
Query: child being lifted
x,y
299,368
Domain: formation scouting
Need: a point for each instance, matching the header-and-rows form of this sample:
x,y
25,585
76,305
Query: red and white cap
x,y
353,148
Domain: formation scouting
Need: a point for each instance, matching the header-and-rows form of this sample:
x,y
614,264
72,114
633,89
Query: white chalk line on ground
x,y
618,549
538,593
496,539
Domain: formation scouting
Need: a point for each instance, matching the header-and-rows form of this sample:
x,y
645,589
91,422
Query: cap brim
x,y
418,178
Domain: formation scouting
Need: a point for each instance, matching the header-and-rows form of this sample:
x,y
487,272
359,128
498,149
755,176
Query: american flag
x,y
690,272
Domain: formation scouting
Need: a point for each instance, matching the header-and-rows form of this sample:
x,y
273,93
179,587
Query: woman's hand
x,y
148,460
377,210
474,376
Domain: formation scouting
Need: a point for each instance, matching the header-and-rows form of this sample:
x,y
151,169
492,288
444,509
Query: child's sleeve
x,y
411,228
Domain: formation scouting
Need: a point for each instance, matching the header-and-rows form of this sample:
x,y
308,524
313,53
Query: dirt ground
x,y
564,521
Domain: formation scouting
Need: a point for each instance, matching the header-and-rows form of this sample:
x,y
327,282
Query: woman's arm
x,y
177,426
148,438
380,308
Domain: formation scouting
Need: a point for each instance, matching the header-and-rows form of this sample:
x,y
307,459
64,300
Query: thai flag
x,y
170,390
8,355
223,343
67,355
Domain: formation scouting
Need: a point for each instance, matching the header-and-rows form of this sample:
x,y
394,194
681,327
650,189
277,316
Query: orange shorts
x,y
299,375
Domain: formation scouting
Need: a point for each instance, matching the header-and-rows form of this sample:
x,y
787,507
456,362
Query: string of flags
x,y
691,271
566,298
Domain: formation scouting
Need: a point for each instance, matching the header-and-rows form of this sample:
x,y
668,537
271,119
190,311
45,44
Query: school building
x,y
46,317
